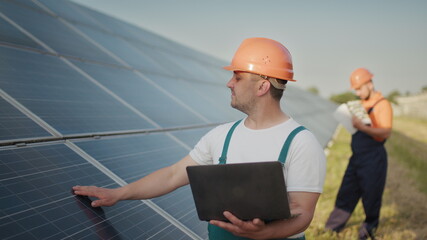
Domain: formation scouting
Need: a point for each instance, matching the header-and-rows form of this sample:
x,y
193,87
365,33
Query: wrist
x,y
122,193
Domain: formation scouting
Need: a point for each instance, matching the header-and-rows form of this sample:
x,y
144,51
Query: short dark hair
x,y
277,93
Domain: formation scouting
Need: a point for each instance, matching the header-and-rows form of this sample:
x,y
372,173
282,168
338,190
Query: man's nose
x,y
230,83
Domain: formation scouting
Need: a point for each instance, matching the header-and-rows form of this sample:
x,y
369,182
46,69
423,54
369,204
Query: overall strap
x,y
285,148
223,158
372,108
283,152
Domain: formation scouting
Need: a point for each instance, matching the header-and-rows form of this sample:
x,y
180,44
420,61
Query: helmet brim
x,y
233,68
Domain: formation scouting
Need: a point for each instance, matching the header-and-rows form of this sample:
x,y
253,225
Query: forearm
x,y
376,132
157,183
153,185
302,204
289,227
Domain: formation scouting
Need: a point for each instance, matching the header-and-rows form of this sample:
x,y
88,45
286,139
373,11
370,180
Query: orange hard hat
x,y
359,77
263,56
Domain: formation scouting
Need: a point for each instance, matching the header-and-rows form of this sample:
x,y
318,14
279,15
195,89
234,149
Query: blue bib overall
x,y
217,233
364,178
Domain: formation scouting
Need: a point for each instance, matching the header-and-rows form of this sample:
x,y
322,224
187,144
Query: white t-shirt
x,y
305,165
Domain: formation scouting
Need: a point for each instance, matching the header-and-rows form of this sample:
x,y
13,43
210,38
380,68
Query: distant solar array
x,y
86,99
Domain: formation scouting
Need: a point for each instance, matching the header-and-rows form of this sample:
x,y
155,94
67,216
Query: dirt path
x,y
407,216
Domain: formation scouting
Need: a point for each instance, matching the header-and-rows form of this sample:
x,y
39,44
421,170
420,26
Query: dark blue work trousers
x,y
364,178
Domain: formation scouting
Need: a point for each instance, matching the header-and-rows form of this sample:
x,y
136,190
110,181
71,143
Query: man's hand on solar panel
x,y
155,184
106,197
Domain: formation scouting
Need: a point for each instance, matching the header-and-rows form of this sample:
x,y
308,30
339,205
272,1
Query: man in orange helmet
x,y
366,172
261,68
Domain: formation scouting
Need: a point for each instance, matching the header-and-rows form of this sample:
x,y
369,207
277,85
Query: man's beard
x,y
244,107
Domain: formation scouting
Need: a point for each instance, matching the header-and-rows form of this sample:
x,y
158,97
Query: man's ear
x,y
264,87
370,85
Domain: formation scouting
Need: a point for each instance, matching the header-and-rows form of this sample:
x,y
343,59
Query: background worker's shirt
x,y
382,114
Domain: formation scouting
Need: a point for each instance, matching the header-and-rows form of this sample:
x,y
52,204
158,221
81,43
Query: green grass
x,y
404,208
408,145
412,154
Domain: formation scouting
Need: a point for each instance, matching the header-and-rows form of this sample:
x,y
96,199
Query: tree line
x,y
350,96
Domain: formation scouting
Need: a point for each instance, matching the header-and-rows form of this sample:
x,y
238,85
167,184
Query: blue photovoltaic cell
x,y
15,125
52,32
167,62
74,13
125,30
10,34
148,57
311,111
61,96
191,136
221,96
97,20
124,50
197,71
213,101
135,90
36,200
137,156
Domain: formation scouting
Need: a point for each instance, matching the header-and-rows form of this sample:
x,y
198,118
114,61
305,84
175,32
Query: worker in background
x,y
261,68
366,172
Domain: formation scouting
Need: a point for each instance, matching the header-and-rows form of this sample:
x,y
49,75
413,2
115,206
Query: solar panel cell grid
x,y
11,35
15,125
61,96
132,88
191,136
37,202
134,157
52,32
121,48
187,91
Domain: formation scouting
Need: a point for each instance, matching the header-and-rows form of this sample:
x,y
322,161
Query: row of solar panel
x,y
69,71
96,98
75,31
114,92
86,95
73,104
88,91
36,200
78,85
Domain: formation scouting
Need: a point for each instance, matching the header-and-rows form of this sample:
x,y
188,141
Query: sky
x,y
327,39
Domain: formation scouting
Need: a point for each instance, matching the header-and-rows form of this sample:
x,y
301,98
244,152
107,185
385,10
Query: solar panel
x,y
87,99
124,50
137,156
15,125
131,87
311,111
210,101
11,35
61,96
52,32
36,202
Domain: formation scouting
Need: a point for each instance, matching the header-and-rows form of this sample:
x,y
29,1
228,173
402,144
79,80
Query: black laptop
x,y
247,190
